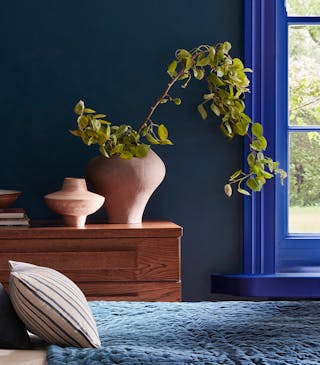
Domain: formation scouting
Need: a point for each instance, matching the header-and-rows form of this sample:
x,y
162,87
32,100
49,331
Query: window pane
x,y
303,7
304,75
304,181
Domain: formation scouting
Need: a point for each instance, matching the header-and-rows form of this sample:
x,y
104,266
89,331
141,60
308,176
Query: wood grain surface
x,y
109,262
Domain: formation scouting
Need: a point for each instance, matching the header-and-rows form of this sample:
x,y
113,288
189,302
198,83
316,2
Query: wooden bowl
x,y
8,197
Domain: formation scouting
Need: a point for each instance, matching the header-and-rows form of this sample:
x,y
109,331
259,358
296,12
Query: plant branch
x,y
249,137
304,105
158,101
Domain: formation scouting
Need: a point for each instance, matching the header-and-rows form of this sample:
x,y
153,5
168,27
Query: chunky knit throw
x,y
207,333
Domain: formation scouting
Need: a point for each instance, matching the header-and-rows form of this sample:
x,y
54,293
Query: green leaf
x,y
85,138
172,68
263,142
226,47
151,139
254,184
75,132
83,122
101,138
114,139
117,149
282,174
126,155
235,174
237,63
202,111
226,130
90,141
260,156
79,107
242,191
239,104
184,76
89,111
228,190
201,74
209,96
241,128
256,169
96,125
212,52
185,57
266,174
177,101
108,131
163,101
251,159
183,54
103,151
198,73
259,144
257,129
231,92
214,79
166,141
99,116
215,109
122,130
163,132
142,150
203,60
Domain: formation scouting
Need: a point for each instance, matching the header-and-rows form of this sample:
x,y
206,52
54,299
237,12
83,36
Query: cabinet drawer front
x,y
124,259
74,261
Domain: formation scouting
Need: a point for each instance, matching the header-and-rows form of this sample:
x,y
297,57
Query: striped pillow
x,y
52,306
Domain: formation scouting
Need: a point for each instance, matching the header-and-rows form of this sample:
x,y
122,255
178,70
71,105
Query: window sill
x,y
284,285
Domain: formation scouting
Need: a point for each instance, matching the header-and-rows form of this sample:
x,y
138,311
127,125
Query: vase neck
x,y
72,184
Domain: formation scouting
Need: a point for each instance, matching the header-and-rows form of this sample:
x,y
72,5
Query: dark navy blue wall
x,y
114,54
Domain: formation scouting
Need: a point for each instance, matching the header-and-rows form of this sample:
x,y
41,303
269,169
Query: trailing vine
x,y
227,84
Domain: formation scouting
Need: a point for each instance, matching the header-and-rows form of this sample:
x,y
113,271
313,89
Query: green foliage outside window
x,y
304,110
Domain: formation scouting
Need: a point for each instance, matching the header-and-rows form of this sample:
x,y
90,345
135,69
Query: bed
x,y
241,333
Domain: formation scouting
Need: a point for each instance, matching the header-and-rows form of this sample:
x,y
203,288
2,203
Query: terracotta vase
x,y
74,202
127,185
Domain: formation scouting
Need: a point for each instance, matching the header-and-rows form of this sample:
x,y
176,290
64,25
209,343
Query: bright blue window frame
x,y
272,258
268,247
297,251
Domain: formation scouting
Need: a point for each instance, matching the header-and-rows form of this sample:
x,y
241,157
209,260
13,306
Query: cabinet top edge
x,y
54,229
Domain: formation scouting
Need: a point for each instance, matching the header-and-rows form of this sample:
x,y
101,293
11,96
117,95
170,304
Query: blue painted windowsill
x,y
280,285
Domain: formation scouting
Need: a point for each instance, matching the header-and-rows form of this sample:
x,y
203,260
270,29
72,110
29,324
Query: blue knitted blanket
x,y
227,333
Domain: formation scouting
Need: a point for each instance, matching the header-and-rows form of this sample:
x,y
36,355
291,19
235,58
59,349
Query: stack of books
x,y
13,217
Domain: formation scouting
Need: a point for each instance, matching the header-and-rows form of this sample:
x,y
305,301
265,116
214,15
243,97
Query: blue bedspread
x,y
237,333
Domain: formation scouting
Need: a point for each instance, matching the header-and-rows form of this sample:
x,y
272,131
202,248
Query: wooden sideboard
x,y
139,262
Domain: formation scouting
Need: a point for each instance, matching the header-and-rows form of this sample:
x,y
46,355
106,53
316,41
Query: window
x,y
304,117
298,241
282,233
281,245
